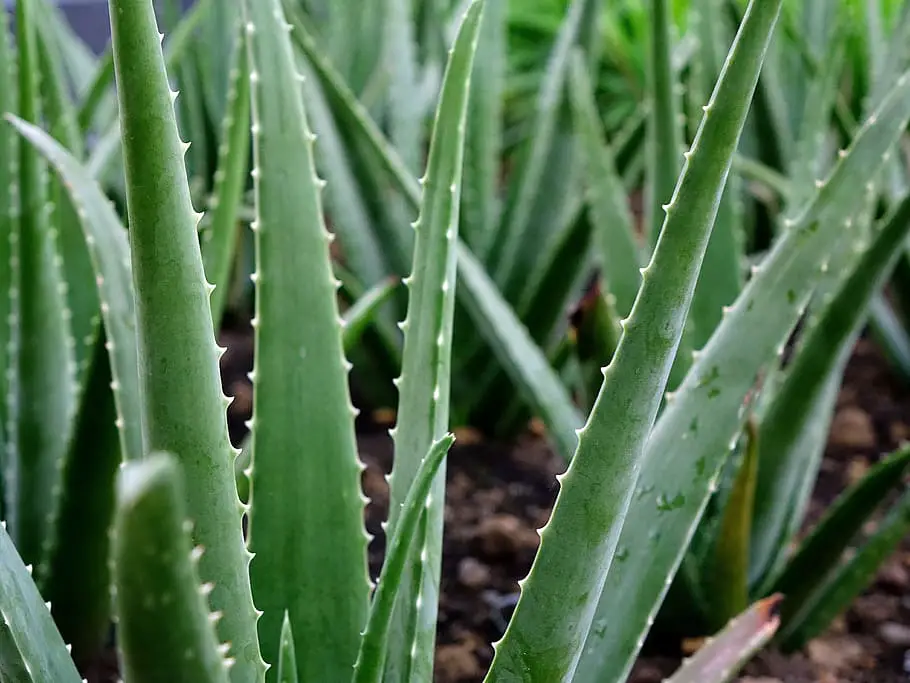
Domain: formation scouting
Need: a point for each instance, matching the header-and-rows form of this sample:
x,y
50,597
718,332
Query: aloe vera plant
x,y
211,583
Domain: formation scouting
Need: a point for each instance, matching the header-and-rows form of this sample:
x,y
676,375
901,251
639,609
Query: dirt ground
x,y
498,495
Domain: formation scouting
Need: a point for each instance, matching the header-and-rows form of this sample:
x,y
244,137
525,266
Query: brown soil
x,y
498,495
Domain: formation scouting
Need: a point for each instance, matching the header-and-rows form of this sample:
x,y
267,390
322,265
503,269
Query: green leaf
x,y
821,551
374,645
728,568
580,541
164,628
850,579
423,386
31,648
788,463
317,579
698,424
183,404
43,398
287,659
724,655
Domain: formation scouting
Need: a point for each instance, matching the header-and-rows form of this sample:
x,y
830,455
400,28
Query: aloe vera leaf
x,y
724,655
597,334
423,385
783,454
664,130
109,407
580,539
729,565
109,249
821,551
165,630
77,580
492,315
183,404
615,240
287,658
364,311
547,167
81,295
315,579
30,644
373,647
45,383
696,427
850,579
483,140
220,224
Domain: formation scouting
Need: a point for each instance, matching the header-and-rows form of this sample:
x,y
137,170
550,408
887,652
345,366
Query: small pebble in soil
x,y
473,573
895,634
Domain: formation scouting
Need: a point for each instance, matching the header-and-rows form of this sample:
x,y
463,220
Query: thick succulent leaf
x,y
490,312
722,656
81,295
164,629
183,404
887,328
219,227
374,645
31,648
728,566
786,461
850,579
821,551
317,579
400,60
423,386
287,659
42,401
698,425
77,581
578,543
109,250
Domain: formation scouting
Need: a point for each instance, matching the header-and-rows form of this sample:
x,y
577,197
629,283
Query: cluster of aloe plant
x,y
120,491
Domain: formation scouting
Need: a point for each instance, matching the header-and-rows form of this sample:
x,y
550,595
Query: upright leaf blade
x,y
30,643
183,405
696,428
423,408
165,631
316,579
578,543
